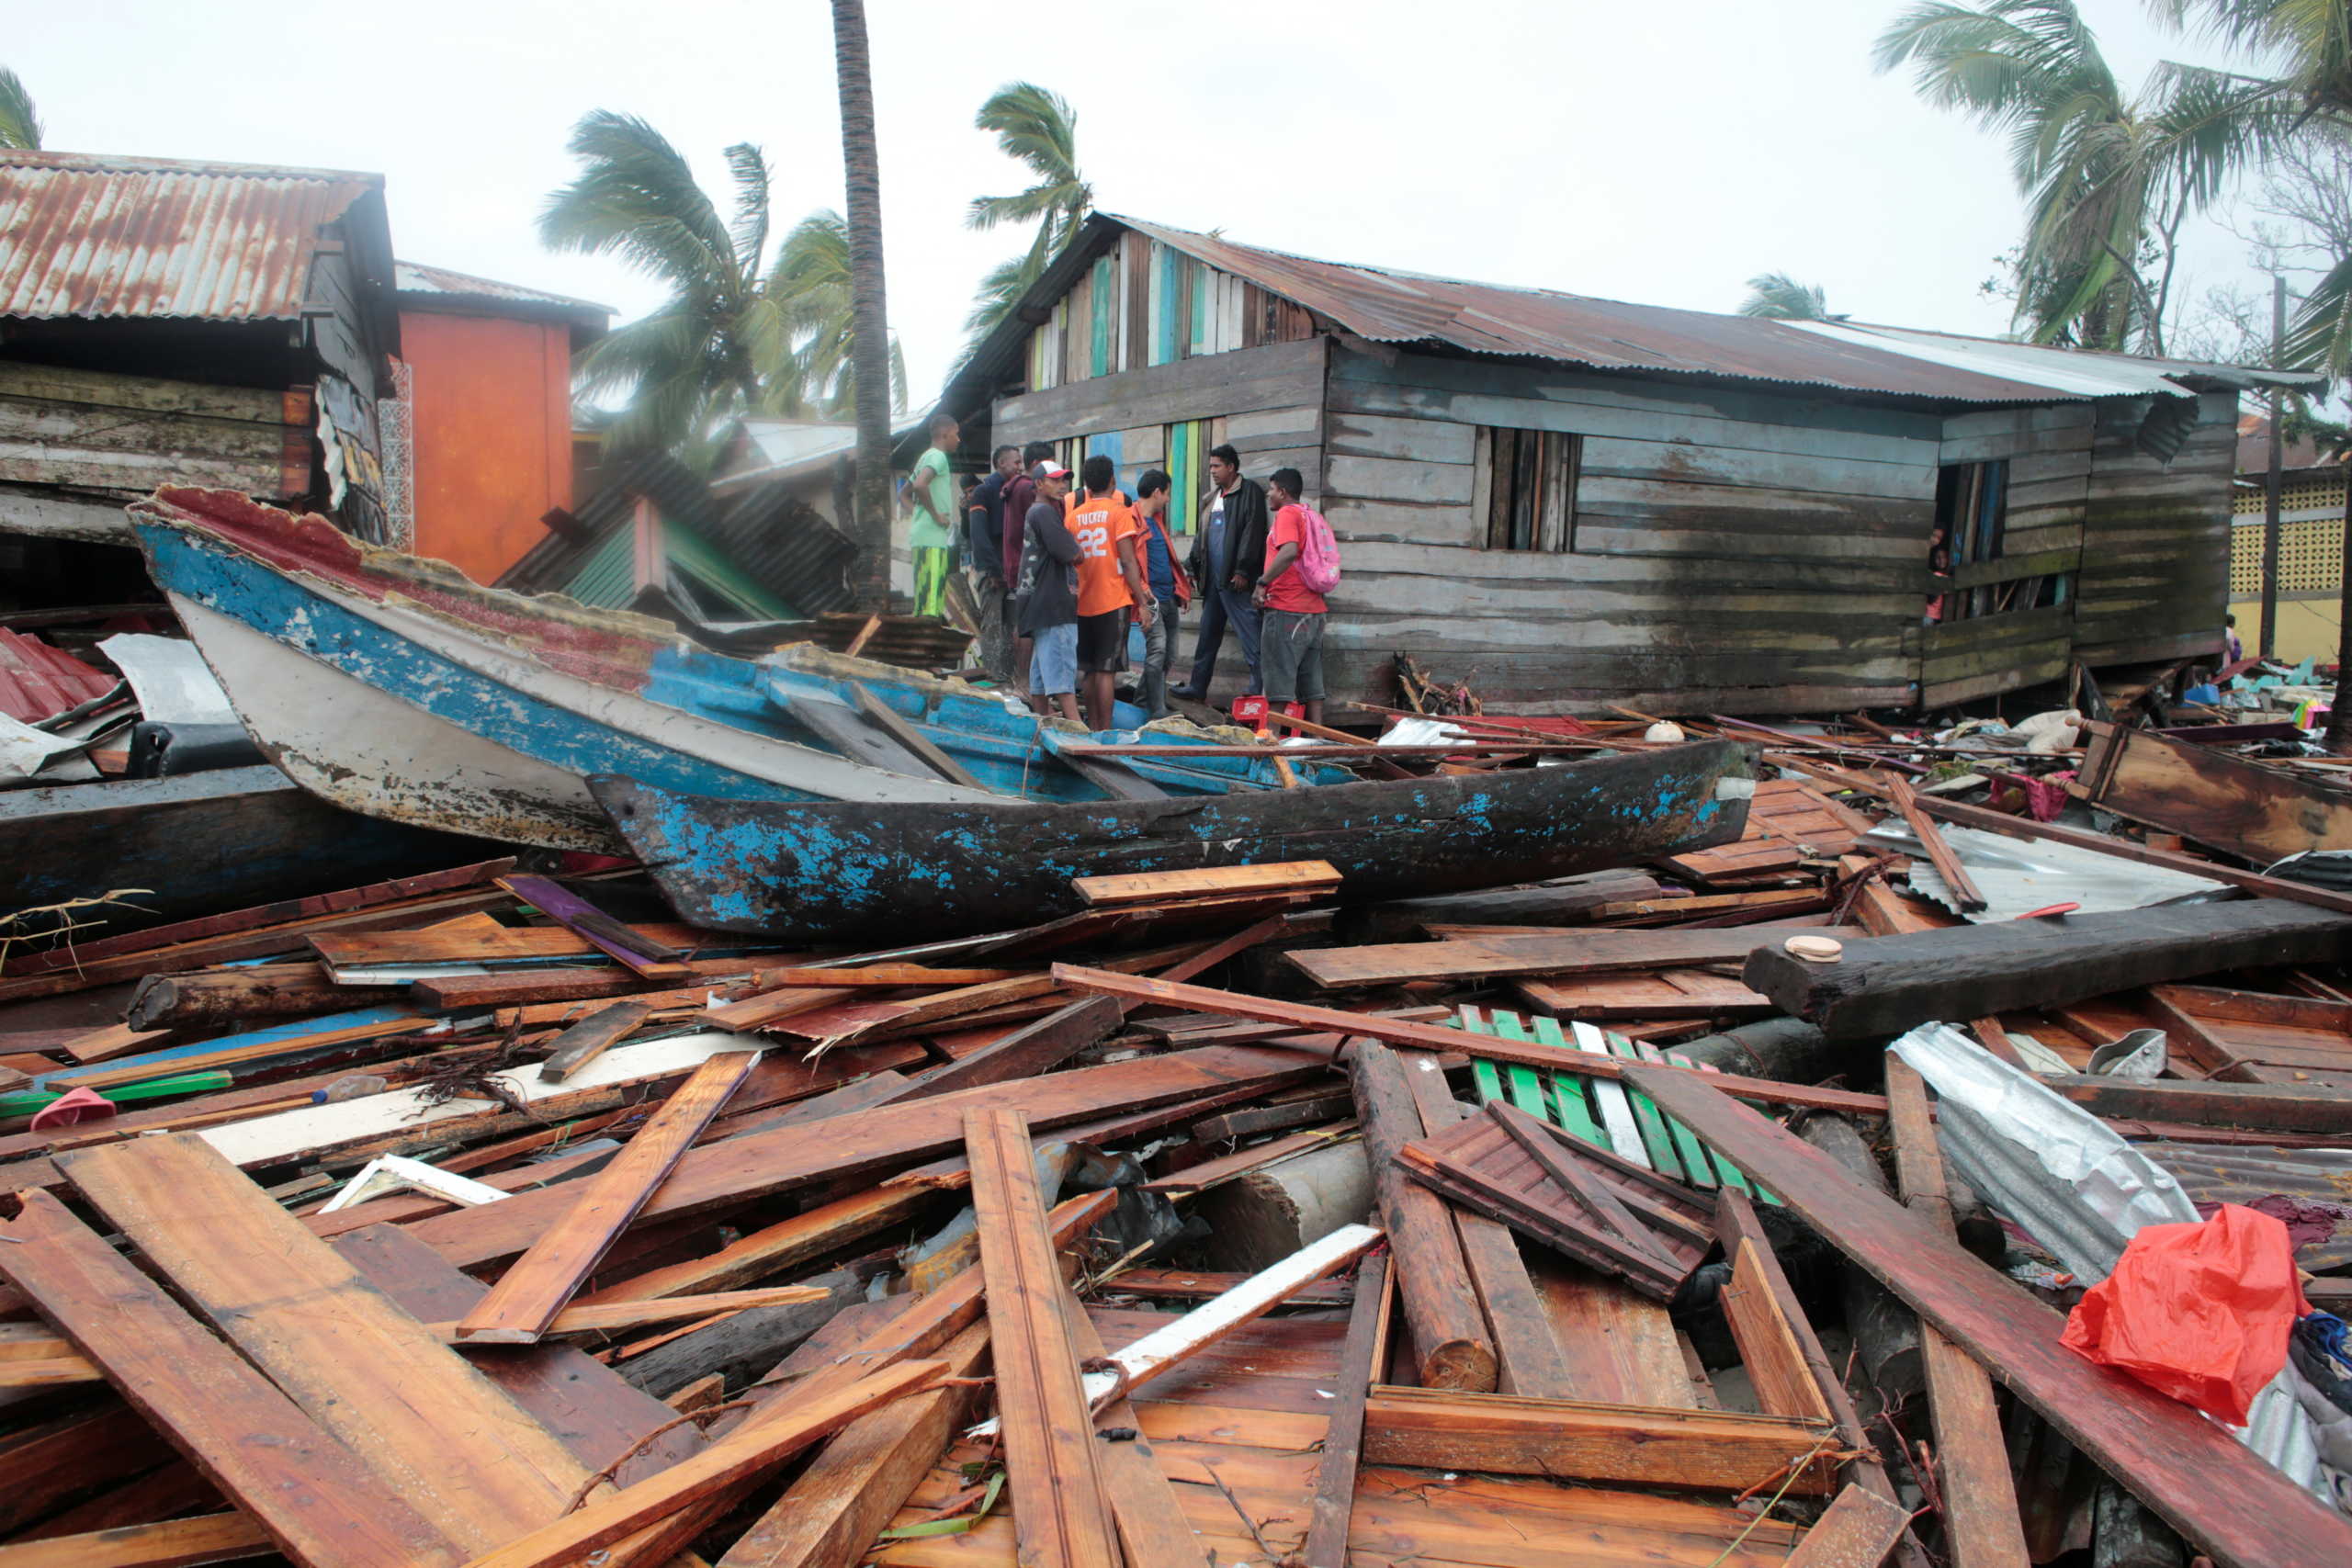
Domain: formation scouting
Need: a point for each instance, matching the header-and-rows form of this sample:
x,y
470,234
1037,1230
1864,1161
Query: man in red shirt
x,y
1290,634
1110,586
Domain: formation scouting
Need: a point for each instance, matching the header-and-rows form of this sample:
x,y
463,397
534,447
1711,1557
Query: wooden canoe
x,y
884,872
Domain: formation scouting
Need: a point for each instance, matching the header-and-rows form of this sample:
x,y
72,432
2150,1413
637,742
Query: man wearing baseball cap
x,y
1049,613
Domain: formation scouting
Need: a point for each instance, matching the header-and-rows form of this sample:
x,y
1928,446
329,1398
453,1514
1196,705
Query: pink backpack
x,y
1318,554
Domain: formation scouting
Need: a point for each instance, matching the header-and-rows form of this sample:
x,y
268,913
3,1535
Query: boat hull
x,y
841,872
199,844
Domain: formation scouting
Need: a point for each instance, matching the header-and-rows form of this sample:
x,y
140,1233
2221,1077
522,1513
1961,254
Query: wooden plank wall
x,y
1732,549
2049,452
2154,583
1142,303
95,430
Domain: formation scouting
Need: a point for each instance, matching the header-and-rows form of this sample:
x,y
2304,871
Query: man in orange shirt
x,y
1110,586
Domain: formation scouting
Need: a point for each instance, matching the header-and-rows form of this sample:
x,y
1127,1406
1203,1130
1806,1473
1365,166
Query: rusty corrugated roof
x,y
1389,306
92,235
37,680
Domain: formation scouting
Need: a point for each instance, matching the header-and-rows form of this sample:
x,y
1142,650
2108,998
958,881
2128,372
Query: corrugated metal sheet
x,y
37,680
426,282
2242,1173
1384,305
96,236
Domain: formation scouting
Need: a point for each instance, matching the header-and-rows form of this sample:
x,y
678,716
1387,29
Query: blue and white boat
x,y
398,688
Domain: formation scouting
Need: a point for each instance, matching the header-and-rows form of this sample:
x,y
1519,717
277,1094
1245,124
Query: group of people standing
x,y
1060,572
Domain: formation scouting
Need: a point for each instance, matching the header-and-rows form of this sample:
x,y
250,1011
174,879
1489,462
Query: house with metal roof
x,y
171,322
1568,502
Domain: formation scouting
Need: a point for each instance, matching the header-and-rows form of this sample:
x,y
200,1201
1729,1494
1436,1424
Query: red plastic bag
x,y
2200,1312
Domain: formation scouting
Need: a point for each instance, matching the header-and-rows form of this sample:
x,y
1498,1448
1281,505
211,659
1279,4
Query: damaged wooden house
x,y
1568,502
165,322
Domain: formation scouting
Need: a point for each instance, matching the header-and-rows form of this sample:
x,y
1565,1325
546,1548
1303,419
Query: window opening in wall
x,y
1528,485
1972,529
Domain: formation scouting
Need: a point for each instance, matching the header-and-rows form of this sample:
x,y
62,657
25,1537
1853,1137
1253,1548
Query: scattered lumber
x,y
1581,953
1208,882
2220,1496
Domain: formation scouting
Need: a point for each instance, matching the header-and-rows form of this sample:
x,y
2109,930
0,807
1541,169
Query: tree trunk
x,y
2339,712
870,333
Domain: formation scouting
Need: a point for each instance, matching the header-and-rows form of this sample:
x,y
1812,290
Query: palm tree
x,y
19,126
1036,128
1777,297
811,280
869,319
2104,206
722,343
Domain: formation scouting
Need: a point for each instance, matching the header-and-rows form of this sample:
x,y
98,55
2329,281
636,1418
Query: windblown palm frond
x,y
810,286
1777,297
19,126
1036,128
2321,336
2306,43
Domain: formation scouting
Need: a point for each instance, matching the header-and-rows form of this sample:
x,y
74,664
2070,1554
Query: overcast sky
x,y
1661,154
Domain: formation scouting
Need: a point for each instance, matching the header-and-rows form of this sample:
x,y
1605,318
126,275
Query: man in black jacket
x,y
1228,555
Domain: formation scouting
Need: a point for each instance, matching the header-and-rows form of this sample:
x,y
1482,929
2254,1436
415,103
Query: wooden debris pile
x,y
493,1219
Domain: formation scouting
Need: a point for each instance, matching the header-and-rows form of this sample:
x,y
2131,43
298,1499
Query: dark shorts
x,y
1102,642
1289,644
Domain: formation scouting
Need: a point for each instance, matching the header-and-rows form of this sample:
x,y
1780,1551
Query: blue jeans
x,y
1217,609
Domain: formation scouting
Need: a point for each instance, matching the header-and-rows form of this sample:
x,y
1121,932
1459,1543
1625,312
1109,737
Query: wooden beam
x,y
590,1038
2219,1495
1059,1514
175,1543
1895,983
1151,1523
1335,1473
1454,1346
1620,1444
1767,1344
531,1292
747,1451
1395,1030
2259,1107
1859,1530
643,955
1025,1052
893,723
320,1505
1531,1361
1548,952
1983,1527
810,1234
468,1458
1208,882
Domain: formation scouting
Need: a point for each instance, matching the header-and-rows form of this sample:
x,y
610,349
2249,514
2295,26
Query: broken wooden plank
x,y
2218,1493
1335,1473
1768,1345
1859,1529
631,948
590,1038
530,1293
1957,881
611,1317
1571,1440
469,1459
469,945
808,1234
228,998
1059,1513
320,1505
2257,1107
747,1451
1453,1344
1978,1495
1025,1052
1895,983
1564,952
1391,1029
1208,882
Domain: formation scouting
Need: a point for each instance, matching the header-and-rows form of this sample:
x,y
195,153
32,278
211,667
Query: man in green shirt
x,y
931,494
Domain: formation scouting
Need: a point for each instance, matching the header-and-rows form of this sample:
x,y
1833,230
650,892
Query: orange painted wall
x,y
492,433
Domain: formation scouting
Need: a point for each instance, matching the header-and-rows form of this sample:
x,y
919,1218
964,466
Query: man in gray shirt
x,y
1049,610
